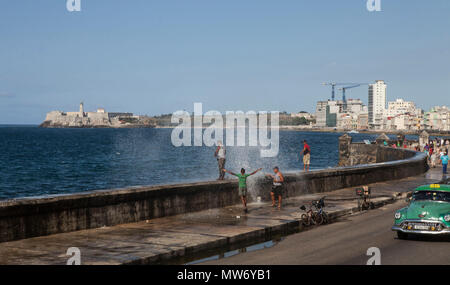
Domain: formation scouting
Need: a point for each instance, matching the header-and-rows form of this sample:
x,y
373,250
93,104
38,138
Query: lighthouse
x,y
81,110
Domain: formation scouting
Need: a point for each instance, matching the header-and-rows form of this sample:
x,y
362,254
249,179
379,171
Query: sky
x,y
159,56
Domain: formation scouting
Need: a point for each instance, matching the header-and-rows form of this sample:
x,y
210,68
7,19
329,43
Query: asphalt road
x,y
347,241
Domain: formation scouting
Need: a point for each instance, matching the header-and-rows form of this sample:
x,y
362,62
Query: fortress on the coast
x,y
101,118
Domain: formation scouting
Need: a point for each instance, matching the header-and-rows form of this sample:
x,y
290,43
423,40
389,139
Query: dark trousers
x,y
221,163
444,168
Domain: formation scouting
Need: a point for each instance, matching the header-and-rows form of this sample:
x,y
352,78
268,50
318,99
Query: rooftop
x,y
434,187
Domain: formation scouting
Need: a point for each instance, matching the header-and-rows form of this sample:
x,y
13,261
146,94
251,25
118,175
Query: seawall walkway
x,y
187,237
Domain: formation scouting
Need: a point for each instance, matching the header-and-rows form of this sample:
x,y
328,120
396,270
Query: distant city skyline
x,y
156,57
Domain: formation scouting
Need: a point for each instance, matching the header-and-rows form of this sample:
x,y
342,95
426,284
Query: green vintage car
x,y
428,212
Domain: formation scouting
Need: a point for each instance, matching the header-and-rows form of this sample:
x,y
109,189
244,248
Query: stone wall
x,y
26,218
360,153
350,176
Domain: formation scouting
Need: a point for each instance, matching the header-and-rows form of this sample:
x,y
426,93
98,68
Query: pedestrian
x,y
277,186
441,154
434,157
444,160
306,156
220,155
243,185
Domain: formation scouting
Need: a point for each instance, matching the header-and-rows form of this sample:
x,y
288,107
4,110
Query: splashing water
x,y
36,161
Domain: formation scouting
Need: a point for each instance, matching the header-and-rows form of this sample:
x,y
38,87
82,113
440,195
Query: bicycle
x,y
317,217
309,217
364,202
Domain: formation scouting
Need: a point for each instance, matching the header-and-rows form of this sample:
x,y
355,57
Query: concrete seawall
x,y
27,218
344,177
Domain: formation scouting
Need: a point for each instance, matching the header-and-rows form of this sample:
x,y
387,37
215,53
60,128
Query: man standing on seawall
x,y
220,155
306,156
277,187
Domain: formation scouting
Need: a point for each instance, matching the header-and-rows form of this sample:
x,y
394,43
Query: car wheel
x,y
402,235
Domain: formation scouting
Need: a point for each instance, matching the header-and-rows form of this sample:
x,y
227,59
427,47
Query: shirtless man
x,y
277,186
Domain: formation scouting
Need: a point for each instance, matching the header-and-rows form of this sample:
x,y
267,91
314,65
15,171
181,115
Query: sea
x,y
41,162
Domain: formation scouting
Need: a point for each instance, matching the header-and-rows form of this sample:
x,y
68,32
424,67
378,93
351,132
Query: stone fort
x,y
86,119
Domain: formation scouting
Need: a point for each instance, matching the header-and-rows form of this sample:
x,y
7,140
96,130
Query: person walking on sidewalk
x,y
277,186
441,153
243,185
306,156
220,155
444,160
434,158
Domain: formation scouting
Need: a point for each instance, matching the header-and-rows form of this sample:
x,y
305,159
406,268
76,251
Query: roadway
x,y
346,242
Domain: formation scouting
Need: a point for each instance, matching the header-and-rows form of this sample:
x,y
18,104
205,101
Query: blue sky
x,y
152,57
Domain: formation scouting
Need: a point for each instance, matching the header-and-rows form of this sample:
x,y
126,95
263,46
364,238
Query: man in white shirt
x,y
220,155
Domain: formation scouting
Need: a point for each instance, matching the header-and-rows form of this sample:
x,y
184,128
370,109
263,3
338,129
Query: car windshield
x,y
431,196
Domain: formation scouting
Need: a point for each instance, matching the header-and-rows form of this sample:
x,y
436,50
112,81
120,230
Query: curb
x,y
197,252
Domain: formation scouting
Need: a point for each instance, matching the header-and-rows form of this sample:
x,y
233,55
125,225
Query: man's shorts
x,y
277,190
306,158
242,191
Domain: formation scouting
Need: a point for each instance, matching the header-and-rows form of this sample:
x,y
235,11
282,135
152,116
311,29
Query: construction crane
x,y
333,84
349,87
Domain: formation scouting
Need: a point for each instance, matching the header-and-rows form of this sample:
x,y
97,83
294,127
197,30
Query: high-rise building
x,y
321,114
377,104
400,115
355,106
326,112
438,118
400,107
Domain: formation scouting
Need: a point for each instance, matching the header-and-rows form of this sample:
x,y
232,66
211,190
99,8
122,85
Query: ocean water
x,y
36,161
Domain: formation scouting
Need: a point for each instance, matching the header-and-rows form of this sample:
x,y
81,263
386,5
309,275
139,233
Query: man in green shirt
x,y
243,185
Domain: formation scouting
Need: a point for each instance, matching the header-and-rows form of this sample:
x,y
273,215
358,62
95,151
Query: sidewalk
x,y
182,238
